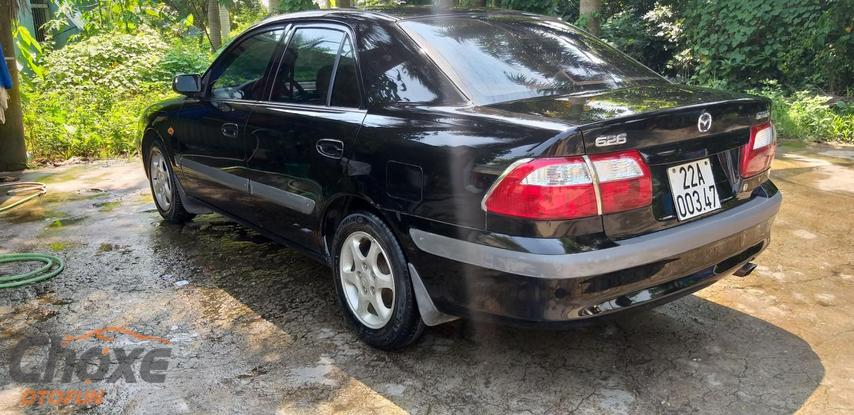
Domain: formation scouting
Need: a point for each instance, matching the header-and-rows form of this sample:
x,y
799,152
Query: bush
x,y
91,123
804,44
810,116
643,37
91,96
117,61
185,56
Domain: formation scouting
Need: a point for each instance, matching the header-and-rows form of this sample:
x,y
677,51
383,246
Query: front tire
x,y
373,284
164,187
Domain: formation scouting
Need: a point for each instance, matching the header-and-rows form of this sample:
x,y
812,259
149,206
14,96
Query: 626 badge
x,y
693,188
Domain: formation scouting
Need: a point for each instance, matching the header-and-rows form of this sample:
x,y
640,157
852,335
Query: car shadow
x,y
692,355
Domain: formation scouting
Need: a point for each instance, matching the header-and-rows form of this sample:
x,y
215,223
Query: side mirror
x,y
187,84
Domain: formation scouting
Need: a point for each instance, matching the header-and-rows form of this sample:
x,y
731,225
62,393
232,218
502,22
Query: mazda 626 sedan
x,y
487,165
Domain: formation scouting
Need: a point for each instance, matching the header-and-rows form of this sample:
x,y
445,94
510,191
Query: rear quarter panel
x,y
457,152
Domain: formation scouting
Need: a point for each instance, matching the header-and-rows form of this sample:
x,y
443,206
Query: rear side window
x,y
345,90
240,73
306,69
396,73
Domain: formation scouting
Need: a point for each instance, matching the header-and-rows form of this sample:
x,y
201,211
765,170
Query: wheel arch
x,y
345,204
150,136
337,209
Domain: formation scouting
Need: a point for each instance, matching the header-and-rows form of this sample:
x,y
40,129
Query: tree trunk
x,y
477,4
225,22
13,149
273,6
214,24
590,12
343,4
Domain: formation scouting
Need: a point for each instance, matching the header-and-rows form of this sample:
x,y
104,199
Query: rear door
x,y
302,134
210,133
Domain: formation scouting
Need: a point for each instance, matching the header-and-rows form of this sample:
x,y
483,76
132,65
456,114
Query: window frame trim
x,y
286,27
348,34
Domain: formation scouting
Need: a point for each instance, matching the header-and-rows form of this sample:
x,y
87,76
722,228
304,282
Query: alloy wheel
x,y
160,183
367,279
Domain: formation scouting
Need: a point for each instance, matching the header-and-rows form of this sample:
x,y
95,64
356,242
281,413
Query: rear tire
x,y
164,187
373,283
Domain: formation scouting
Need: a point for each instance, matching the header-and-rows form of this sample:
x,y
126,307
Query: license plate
x,y
693,188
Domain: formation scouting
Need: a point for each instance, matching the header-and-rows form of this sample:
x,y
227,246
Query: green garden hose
x,y
30,191
52,266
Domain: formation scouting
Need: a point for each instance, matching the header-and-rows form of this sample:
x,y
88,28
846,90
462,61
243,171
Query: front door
x,y
301,134
210,136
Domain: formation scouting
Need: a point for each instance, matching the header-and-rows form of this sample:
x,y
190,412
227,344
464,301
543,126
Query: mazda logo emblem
x,y
704,124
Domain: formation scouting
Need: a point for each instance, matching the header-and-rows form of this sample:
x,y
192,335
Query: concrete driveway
x,y
252,327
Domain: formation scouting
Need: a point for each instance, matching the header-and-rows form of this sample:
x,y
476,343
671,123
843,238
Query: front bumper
x,y
469,279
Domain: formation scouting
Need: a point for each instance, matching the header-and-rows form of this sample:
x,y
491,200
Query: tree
x,y
214,24
273,6
13,150
225,22
590,13
343,3
444,3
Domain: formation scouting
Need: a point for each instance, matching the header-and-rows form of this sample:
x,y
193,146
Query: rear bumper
x,y
470,279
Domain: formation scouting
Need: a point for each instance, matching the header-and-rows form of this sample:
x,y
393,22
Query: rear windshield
x,y
510,57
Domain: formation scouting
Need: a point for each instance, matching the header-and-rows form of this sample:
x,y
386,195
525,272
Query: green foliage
x,y
245,13
92,93
804,46
810,116
290,6
834,39
109,16
800,43
566,9
741,40
29,48
640,37
185,56
91,124
116,61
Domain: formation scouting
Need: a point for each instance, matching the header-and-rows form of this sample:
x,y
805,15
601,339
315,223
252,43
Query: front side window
x,y
306,69
240,73
510,57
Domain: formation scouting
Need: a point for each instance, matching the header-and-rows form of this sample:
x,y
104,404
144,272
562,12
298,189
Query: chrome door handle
x,y
328,147
230,129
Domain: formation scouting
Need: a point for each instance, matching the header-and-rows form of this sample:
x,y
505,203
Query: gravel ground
x,y
253,327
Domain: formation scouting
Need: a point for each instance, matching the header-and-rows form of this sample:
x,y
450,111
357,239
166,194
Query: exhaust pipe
x,y
745,270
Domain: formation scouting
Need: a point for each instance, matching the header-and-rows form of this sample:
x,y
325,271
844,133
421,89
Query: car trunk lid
x,y
663,122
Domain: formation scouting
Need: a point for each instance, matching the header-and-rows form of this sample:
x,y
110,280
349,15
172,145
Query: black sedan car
x,y
482,164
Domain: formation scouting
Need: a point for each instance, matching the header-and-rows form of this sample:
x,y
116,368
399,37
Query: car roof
x,y
392,13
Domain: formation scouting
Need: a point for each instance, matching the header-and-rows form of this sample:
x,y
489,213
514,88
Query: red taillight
x,y
553,188
624,181
565,188
757,155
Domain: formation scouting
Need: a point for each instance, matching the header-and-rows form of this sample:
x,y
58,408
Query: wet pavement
x,y
253,327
